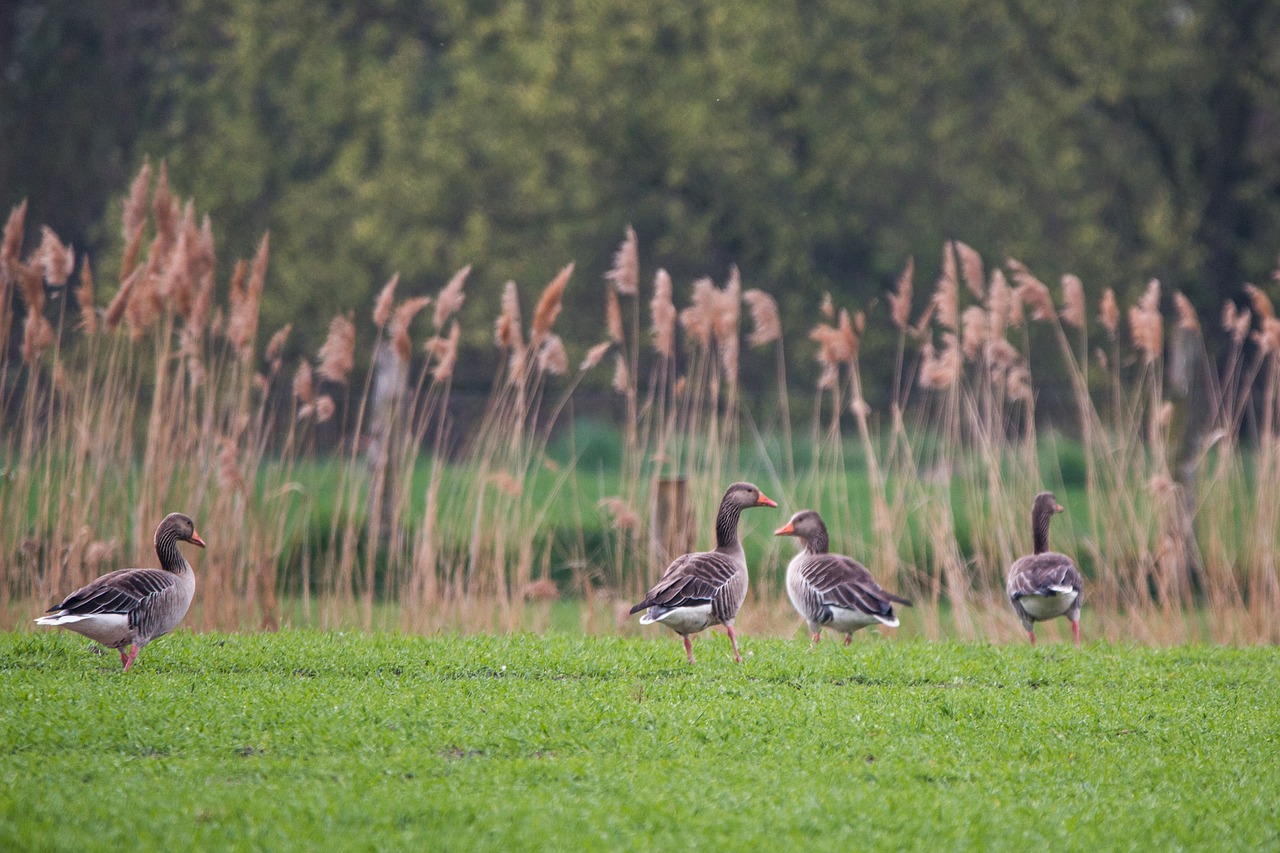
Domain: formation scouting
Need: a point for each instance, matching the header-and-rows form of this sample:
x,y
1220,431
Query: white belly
x,y
848,621
685,620
1041,607
110,629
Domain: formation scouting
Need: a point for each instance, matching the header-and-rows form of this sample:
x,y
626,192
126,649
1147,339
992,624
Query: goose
x,y
1044,584
128,608
832,590
706,588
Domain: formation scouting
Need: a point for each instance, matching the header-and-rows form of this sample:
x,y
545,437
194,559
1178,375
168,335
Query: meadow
x,y
338,740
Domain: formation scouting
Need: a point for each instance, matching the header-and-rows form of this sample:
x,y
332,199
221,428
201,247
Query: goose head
x,y
180,527
805,524
743,495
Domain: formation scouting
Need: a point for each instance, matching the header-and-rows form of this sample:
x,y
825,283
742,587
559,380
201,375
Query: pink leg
x,y
1031,632
733,639
848,638
133,656
817,635
1075,633
688,647
124,659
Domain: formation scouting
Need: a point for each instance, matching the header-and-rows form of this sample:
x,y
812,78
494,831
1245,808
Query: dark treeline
x,y
817,145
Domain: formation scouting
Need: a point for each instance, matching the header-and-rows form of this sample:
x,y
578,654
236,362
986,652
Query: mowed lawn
x,y
309,740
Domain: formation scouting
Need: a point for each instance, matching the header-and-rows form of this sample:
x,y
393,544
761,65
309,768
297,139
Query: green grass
x,y
305,740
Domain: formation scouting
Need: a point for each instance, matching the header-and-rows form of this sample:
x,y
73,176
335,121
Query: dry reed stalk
x,y
613,316
900,297
1109,312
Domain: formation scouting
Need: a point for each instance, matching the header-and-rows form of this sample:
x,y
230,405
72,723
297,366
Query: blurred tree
x,y
815,143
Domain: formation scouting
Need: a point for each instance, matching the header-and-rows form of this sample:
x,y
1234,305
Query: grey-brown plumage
x,y
1045,584
707,588
832,590
128,608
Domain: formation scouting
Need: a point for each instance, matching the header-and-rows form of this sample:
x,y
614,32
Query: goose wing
x,y
690,581
1043,574
122,591
844,582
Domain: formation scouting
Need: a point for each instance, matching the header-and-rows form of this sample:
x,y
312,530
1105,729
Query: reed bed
x,y
160,398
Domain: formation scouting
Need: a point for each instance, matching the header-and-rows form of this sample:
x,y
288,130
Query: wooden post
x,y
672,532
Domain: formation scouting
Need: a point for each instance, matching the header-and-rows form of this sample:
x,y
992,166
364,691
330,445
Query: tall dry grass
x,y
159,398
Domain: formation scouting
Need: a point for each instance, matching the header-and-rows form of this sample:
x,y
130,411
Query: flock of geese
x,y
128,608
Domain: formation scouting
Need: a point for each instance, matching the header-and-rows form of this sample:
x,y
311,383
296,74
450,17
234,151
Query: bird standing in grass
x,y
707,588
128,608
832,590
1045,584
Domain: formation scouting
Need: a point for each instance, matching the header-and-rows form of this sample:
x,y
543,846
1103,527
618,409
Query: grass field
x,y
304,740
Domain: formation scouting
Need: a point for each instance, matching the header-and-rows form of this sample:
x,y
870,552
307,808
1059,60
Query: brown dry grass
x,y
110,427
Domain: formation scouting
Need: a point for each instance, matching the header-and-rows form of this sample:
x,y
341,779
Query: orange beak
x,y
196,540
1058,508
763,501
785,530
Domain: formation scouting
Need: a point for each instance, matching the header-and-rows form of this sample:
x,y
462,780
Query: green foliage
x,y
815,145
303,740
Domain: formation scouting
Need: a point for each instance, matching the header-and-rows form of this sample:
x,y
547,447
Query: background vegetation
x,y
815,145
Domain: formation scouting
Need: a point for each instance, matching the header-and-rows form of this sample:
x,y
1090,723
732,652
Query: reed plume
x,y
946,296
1146,326
595,354
971,268
303,385
11,246
451,297
57,260
1073,303
337,355
1109,312
696,318
84,297
625,273
386,298
1031,292
900,297
549,304
403,315
1187,319
765,326
973,331
446,355
663,311
552,358
1236,322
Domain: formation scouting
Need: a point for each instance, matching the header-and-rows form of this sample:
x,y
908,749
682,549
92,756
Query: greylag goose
x,y
1045,584
707,588
833,590
128,608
